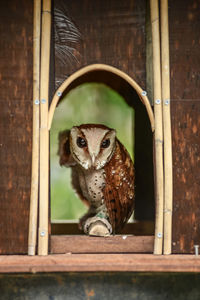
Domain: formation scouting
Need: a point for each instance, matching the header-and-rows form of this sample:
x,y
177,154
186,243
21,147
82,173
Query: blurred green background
x,y
87,103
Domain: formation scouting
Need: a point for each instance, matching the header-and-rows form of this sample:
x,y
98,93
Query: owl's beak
x,y
93,159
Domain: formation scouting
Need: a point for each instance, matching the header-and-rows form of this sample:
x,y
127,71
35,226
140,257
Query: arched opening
x,y
87,103
136,98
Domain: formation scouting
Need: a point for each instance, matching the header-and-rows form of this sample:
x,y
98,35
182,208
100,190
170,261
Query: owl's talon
x,y
97,227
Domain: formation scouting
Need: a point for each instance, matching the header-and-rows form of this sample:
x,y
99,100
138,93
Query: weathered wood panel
x,y
185,86
112,32
186,162
15,123
111,244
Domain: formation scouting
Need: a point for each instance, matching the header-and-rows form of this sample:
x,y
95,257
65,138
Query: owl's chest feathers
x,y
92,183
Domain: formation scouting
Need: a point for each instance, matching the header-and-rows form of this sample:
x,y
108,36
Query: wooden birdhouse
x,y
146,52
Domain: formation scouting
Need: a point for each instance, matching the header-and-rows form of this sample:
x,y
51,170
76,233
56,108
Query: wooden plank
x,y
185,86
111,244
99,263
137,228
16,35
186,162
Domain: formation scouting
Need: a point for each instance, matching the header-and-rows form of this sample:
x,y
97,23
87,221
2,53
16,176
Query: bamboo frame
x,y
44,133
166,129
99,67
41,135
158,127
36,123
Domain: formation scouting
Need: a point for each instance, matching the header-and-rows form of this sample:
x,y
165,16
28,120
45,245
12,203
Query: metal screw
x,y
43,101
144,93
37,101
159,235
196,250
157,101
59,94
42,233
167,102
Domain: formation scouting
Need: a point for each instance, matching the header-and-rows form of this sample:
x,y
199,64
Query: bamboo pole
x,y
158,127
166,129
44,132
35,138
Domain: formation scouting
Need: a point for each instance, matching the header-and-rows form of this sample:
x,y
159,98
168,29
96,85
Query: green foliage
x,y
88,103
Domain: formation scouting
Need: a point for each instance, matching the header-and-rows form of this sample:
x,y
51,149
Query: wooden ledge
x,y
100,262
61,244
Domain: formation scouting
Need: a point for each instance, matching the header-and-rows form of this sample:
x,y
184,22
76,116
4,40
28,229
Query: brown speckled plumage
x,y
119,189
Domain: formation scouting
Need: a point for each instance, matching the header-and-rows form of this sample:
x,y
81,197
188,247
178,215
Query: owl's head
x,y
92,145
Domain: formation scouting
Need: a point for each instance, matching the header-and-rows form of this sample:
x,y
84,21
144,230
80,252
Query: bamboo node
x,y
46,11
169,211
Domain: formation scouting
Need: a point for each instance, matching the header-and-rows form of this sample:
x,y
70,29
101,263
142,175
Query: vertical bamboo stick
x,y
36,121
166,128
44,132
158,127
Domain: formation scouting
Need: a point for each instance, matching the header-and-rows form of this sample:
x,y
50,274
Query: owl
x,y
102,176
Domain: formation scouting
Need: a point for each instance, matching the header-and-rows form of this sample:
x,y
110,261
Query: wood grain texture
x,y
101,262
112,32
111,244
16,28
185,85
186,162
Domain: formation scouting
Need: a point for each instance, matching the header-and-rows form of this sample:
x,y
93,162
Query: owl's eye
x,y
105,143
81,142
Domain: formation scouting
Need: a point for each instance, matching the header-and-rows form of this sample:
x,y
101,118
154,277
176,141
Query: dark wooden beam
x,y
137,228
99,263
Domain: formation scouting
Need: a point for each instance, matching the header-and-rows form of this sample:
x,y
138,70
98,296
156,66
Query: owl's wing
x,y
119,189
64,153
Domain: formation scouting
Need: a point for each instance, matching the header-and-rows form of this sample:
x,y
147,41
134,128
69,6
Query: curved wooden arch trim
x,y
100,67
